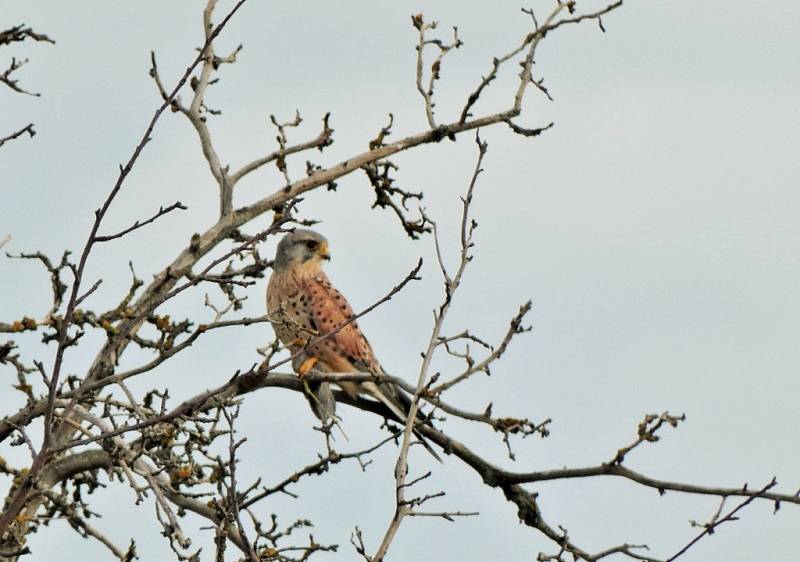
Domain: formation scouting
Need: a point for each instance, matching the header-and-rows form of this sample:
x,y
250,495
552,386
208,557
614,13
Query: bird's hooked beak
x,y
324,251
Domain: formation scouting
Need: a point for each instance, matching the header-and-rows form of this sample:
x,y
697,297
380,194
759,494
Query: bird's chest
x,y
290,311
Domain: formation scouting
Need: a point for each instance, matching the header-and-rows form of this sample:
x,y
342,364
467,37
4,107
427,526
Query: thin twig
x,y
161,212
730,516
27,129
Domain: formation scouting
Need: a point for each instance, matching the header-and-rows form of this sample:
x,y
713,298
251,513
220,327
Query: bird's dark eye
x,y
311,245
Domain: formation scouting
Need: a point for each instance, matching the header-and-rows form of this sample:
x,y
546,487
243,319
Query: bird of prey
x,y
304,304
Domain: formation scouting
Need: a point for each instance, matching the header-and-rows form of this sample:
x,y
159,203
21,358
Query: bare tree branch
x,y
136,225
27,129
19,498
183,453
716,521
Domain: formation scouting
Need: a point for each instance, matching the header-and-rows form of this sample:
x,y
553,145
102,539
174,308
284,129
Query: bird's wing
x,y
329,310
348,349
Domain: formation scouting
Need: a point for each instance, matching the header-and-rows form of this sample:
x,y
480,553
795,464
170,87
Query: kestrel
x,y
304,304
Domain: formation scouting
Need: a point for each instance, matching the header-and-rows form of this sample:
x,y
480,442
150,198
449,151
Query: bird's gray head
x,y
302,247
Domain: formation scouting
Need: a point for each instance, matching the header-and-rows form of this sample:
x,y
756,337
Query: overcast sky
x,y
655,229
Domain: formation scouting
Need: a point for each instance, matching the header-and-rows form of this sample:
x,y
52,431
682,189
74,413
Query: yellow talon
x,y
306,366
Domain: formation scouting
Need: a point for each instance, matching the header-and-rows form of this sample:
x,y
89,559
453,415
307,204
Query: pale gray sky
x,y
655,228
